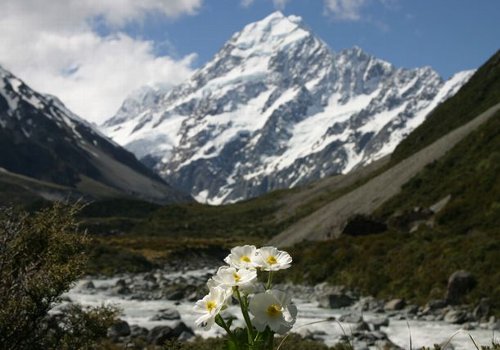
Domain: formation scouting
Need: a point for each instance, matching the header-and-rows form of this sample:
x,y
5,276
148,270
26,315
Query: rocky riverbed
x,y
157,306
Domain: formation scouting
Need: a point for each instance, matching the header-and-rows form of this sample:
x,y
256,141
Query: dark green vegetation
x,y
470,174
292,342
135,236
494,346
481,92
253,217
40,256
464,235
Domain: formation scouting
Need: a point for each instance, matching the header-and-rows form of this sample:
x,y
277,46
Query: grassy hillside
x,y
465,235
470,174
481,92
134,236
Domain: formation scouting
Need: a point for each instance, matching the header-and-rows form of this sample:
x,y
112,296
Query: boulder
x,y
119,329
394,304
335,301
120,290
310,334
160,334
368,304
166,314
494,324
469,326
361,225
121,287
121,283
435,304
407,220
379,322
175,295
456,316
459,284
482,310
351,318
440,205
137,331
362,327
88,285
180,327
150,277
412,309
379,335
185,336
386,344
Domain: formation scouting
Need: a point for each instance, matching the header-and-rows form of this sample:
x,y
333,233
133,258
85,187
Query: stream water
x,y
399,331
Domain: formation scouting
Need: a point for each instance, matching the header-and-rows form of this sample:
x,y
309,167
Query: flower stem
x,y
244,311
220,321
269,280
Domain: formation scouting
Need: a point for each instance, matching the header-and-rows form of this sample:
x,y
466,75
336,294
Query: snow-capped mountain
x,y
273,109
41,140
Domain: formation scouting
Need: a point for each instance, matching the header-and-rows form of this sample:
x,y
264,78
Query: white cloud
x,y
278,4
345,9
351,10
246,3
53,47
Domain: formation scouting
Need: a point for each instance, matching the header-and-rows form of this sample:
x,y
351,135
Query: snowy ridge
x,y
276,108
43,140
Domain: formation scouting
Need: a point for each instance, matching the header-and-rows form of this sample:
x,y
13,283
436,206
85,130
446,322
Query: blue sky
x,y
92,54
449,35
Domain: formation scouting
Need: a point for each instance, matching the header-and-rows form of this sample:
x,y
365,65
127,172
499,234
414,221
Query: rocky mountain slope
x,y
331,219
276,108
452,122
50,152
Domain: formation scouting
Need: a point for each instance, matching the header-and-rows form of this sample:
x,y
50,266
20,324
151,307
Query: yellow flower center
x,y
274,310
271,260
236,277
211,305
245,259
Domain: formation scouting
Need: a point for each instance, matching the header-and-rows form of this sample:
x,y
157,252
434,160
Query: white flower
x,y
252,288
227,289
230,277
210,306
272,259
274,309
242,257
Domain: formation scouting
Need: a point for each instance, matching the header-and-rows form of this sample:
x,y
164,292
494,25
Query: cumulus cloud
x,y
53,46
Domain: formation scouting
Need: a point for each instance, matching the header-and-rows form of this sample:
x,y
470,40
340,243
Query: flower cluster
x,y
266,311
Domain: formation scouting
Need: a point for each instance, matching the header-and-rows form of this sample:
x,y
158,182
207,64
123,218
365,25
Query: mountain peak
x,y
275,29
275,108
276,14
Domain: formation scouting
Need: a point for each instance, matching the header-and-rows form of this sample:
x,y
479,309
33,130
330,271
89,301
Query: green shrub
x,y
41,254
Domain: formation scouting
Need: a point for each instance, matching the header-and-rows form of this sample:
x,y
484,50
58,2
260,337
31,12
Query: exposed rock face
x,y
273,109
